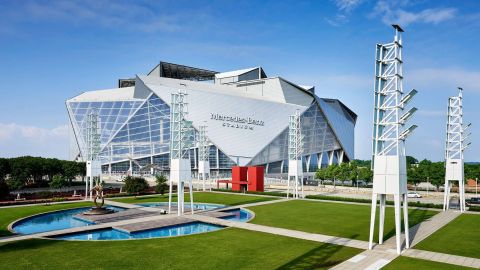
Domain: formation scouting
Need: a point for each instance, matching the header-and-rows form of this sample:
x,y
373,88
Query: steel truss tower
x,y
181,140
295,150
203,155
388,161
454,148
92,145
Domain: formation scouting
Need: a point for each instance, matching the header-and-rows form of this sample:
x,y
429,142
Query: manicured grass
x,y
405,263
8,215
459,237
225,249
336,219
205,197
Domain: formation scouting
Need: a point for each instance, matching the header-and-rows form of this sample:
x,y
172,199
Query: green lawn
x,y
459,237
8,215
225,249
405,263
336,219
205,197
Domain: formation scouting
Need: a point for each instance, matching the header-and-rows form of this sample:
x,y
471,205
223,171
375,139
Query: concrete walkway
x,y
123,205
442,257
368,260
382,255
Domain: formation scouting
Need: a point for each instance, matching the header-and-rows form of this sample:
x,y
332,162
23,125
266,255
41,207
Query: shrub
x,y
135,185
161,186
474,208
44,194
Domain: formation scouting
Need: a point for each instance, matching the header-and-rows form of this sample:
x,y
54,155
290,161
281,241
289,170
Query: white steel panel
x,y
234,141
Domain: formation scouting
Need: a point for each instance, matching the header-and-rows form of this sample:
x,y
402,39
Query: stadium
x,y
246,114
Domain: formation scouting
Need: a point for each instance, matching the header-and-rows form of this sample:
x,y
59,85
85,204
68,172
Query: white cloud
x,y
338,20
36,134
117,15
17,140
394,12
347,5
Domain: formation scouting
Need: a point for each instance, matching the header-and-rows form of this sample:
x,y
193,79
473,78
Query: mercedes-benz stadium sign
x,y
237,122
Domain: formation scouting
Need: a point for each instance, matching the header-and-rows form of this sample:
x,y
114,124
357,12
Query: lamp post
x,y
476,186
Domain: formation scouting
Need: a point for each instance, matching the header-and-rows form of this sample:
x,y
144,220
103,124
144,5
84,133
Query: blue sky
x,y
53,50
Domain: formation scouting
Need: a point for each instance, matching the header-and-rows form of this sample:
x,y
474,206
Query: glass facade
x,y
134,134
318,138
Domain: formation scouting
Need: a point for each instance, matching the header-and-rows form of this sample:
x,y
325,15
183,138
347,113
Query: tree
x,y
15,183
135,185
411,160
343,171
320,174
70,170
161,186
20,173
58,181
364,173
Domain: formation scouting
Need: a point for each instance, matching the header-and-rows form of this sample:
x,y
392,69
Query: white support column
x,y
398,225
181,140
295,150
330,158
454,149
86,188
92,136
170,192
203,155
372,220
381,221
320,159
340,154
405,220
389,135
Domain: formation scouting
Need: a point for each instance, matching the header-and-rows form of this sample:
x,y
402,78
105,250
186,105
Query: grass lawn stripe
x,y
335,219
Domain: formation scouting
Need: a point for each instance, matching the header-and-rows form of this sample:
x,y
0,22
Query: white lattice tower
x,y
92,150
181,140
295,151
389,134
203,155
454,147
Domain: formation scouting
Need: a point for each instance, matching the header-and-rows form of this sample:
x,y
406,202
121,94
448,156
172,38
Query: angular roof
x,y
115,94
176,71
239,72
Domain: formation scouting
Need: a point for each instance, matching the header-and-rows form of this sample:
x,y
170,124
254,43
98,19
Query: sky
x,y
51,51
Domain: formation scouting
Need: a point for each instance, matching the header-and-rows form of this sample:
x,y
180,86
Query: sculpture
x,y
98,209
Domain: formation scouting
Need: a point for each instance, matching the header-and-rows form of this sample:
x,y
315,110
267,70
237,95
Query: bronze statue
x,y
98,195
99,201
